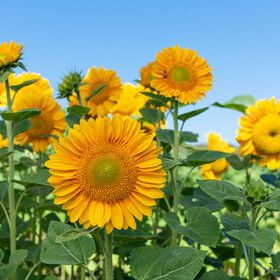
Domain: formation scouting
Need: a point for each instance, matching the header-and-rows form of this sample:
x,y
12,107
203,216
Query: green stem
x,y
11,193
238,253
251,249
176,193
109,256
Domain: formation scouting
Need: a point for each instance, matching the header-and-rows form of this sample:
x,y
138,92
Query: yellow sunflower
x,y
182,74
9,53
50,122
146,74
104,101
130,101
216,168
40,83
106,172
3,141
259,132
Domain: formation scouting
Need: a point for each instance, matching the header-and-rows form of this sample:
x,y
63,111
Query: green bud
x,y
70,84
231,205
256,192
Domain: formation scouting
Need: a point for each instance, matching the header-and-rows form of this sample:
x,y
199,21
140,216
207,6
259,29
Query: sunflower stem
x,y
109,256
251,249
175,170
11,193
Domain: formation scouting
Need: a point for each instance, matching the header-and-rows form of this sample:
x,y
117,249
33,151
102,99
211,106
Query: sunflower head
x,y
130,101
3,141
113,173
216,168
101,102
51,121
10,53
182,74
256,192
259,132
146,74
70,84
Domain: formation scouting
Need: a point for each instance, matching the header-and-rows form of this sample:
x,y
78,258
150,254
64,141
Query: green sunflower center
x,y
105,170
180,74
266,135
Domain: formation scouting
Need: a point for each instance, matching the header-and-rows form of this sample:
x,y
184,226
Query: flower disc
x,y
259,132
106,172
182,74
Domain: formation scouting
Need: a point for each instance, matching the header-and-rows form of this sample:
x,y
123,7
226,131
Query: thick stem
x,y
251,249
11,193
238,254
108,256
175,170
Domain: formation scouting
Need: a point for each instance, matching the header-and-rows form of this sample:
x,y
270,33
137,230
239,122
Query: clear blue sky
x,y
240,39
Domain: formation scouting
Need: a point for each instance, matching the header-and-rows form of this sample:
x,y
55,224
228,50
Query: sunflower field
x,y
105,189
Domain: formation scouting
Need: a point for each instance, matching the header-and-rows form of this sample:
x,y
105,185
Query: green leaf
x,y
152,263
273,202
96,91
77,110
152,115
220,190
4,76
276,262
20,115
187,136
232,221
201,232
203,157
191,114
40,178
15,260
72,234
235,162
165,136
4,153
163,100
169,163
262,239
66,253
238,103
22,126
1,255
18,87
215,275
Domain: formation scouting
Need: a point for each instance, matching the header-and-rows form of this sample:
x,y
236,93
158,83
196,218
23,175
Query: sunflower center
x,y
105,170
266,135
107,173
40,126
180,74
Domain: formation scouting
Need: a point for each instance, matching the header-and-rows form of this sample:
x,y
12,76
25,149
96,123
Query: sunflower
x,y
3,141
9,53
216,168
105,100
51,120
259,132
146,74
182,74
40,83
106,172
130,101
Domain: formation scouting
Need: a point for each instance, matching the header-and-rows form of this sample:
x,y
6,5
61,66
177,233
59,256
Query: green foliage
x,y
152,115
77,110
20,115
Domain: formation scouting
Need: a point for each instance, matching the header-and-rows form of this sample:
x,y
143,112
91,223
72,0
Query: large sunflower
x,y
14,80
50,122
146,74
9,53
130,101
216,168
182,74
106,172
105,100
259,132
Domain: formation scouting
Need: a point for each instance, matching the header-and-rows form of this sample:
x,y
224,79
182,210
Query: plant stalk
x,y
175,170
108,256
251,249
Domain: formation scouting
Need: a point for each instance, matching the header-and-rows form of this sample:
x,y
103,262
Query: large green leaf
x,y
15,260
71,252
276,262
188,136
152,115
273,202
215,275
201,232
153,263
231,221
203,157
167,136
238,103
20,115
40,178
18,87
220,190
262,240
169,163
77,110
96,91
22,126
191,114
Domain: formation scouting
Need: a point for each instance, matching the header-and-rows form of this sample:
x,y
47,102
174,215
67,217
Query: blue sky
x,y
240,39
